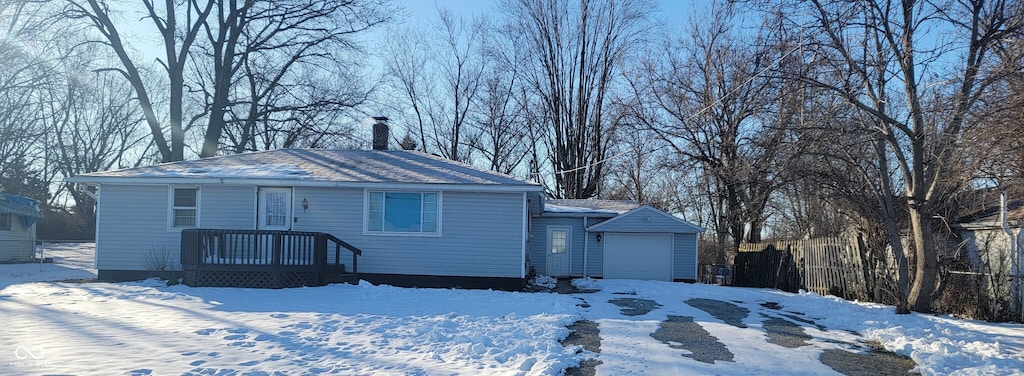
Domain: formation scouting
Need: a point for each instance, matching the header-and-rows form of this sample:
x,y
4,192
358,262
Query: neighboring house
x,y
419,220
612,239
983,237
18,216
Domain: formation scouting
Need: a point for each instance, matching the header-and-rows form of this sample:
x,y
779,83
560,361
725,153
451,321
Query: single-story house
x,y
18,216
418,219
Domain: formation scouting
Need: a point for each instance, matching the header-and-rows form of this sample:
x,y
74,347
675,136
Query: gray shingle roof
x,y
589,206
304,166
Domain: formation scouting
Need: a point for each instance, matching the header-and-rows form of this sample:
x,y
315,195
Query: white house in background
x,y
18,216
419,220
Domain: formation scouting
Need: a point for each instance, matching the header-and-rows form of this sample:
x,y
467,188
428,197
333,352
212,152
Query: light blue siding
x,y
584,246
481,234
131,223
684,257
643,220
228,207
595,257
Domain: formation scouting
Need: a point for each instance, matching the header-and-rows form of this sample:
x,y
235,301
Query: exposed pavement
x,y
786,329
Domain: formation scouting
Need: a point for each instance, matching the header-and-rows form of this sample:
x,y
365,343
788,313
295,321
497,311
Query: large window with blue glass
x,y
402,212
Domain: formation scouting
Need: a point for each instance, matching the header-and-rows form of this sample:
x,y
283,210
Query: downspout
x,y
586,245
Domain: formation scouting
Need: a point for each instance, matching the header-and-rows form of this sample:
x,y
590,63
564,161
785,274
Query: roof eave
x,y
124,180
578,214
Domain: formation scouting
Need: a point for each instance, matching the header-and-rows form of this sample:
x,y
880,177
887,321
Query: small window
x,y
402,212
185,207
559,241
5,222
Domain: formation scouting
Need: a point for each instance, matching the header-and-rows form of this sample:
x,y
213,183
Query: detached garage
x,y
612,239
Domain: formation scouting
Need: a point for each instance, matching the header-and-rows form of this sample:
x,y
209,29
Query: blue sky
x,y
425,10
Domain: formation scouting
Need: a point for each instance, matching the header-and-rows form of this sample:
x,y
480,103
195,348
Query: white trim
x,y
366,214
672,258
96,231
288,215
586,245
526,234
170,206
695,228
148,180
696,257
255,206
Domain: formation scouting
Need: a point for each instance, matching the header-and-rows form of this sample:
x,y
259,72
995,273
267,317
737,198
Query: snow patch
x,y
264,170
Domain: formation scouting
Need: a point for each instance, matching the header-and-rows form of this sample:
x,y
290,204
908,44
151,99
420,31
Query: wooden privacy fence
x,y
827,266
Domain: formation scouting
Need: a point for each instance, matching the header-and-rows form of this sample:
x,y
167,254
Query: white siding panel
x,y
133,225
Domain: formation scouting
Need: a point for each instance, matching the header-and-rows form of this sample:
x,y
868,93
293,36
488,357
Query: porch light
x,y
305,204
599,237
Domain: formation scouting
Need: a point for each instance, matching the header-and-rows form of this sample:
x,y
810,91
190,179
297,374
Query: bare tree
x,y
574,53
916,98
441,75
285,34
24,77
95,128
501,130
720,104
405,52
179,24
275,73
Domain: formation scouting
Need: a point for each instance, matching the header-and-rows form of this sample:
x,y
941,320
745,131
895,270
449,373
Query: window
x,y
184,207
402,212
5,221
559,241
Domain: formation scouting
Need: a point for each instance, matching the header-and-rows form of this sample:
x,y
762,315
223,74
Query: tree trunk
x,y
926,270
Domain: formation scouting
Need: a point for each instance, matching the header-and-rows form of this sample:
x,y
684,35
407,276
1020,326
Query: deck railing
x,y
248,257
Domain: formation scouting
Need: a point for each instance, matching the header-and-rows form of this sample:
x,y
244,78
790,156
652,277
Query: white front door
x,y
274,209
559,246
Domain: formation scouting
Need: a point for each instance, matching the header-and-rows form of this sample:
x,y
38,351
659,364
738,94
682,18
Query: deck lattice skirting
x,y
262,258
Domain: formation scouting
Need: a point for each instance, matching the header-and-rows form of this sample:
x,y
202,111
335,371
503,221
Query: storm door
x,y
275,209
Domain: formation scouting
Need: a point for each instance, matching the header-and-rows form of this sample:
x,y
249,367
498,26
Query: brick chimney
x,y
380,133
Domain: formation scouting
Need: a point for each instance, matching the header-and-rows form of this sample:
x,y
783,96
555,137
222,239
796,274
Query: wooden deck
x,y
264,258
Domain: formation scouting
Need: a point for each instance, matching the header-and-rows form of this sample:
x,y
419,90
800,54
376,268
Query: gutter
x,y
121,180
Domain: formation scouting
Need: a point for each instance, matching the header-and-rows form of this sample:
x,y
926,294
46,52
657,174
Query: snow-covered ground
x,y
70,261
148,328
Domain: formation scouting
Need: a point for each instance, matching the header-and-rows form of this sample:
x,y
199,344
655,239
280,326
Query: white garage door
x,y
638,256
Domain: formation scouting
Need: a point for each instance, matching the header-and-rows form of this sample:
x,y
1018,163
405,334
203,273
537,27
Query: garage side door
x,y
638,256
